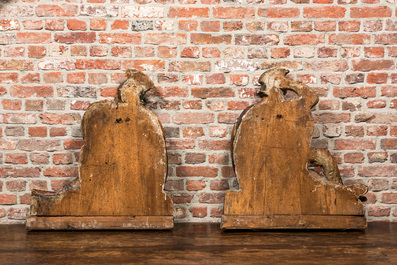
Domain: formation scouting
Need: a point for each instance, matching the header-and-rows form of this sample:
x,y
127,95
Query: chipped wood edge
x,y
100,223
341,222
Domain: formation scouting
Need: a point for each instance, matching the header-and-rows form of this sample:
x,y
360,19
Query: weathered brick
x,y
196,171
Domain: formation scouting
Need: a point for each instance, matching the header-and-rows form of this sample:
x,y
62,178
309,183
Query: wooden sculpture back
x,y
271,151
123,165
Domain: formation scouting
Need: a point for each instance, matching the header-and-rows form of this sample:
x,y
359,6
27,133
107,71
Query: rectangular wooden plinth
x,y
100,222
294,222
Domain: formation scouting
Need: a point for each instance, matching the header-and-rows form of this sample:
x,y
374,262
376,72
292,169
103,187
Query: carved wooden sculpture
x,y
271,153
123,166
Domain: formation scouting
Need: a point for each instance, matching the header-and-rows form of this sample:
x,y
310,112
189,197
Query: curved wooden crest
x,y
123,167
271,153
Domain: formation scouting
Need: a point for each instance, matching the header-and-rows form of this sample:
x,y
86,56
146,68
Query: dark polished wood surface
x,y
199,244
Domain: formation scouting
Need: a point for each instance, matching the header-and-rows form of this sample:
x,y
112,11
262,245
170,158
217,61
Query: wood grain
x,y
271,153
199,244
123,163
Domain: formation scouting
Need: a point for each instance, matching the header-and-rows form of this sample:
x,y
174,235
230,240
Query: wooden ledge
x,y
99,222
294,222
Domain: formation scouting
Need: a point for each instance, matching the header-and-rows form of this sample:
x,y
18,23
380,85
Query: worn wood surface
x,y
123,163
199,244
100,222
271,153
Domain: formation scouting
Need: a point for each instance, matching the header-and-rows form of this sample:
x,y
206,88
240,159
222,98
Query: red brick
x,y
349,39
39,159
39,131
97,24
355,144
324,12
8,199
33,37
32,24
55,131
377,171
354,158
78,50
194,158
363,92
55,118
136,11
377,78
60,171
120,38
120,25
12,64
171,91
256,39
73,144
124,52
210,26
174,185
301,26
234,12
180,144
76,24
53,77
380,130
198,211
192,118
201,38
211,198
75,78
46,10
62,159
193,132
376,104
188,25
10,104
17,51
79,105
374,52
218,78
16,158
18,172
389,91
55,24
15,118
368,12
30,78
372,65
193,185
332,117
350,26
190,52
105,64
219,184
170,52
205,92
16,185
378,211
211,52
190,66
196,171
195,79
214,144
188,12
279,12
192,104
389,144
75,37
302,39
232,25
390,198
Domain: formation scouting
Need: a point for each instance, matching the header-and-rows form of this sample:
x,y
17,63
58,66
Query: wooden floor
x,y
199,244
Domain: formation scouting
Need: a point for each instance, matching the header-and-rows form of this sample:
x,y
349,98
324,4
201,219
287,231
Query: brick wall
x,y
205,56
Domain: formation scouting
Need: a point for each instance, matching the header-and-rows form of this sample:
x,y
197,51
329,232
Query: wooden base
x,y
293,222
100,222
